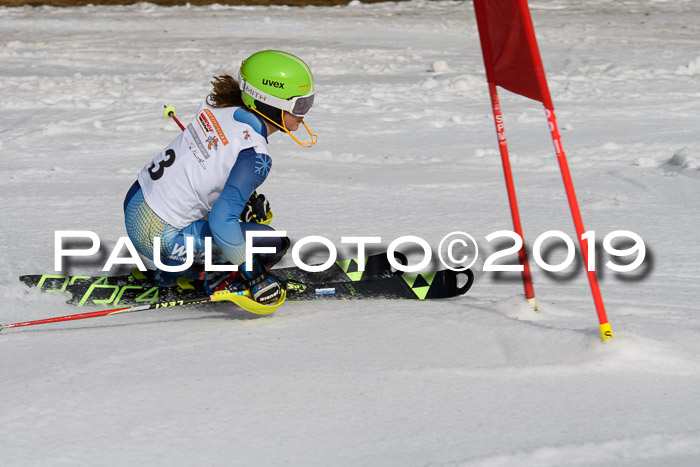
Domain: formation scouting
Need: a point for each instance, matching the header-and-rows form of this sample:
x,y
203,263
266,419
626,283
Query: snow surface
x,y
406,147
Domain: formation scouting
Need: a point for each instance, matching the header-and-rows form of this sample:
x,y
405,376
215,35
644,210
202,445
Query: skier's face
x,y
292,122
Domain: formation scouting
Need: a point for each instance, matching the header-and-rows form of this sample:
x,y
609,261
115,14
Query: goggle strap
x,y
308,144
312,137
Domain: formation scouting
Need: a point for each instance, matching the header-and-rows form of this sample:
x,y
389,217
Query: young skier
x,y
201,184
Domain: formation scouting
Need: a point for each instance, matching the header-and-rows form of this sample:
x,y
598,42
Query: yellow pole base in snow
x,y
606,331
533,303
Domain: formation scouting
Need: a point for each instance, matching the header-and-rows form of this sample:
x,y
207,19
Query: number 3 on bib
x,y
167,162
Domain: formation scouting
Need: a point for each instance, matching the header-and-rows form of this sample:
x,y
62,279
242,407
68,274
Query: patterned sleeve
x,y
248,173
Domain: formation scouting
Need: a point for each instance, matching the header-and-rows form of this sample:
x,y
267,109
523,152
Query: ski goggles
x,y
298,106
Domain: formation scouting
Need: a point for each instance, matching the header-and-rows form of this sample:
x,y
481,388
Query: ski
x,y
438,284
135,289
375,266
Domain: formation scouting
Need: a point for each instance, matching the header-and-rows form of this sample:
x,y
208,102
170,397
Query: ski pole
x,y
241,298
170,113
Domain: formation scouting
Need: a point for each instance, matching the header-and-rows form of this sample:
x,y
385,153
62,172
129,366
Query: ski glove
x,y
257,210
264,287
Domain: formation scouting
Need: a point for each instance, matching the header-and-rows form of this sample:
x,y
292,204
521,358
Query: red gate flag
x,y
512,61
509,45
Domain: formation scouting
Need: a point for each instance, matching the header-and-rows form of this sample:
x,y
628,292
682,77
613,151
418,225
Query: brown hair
x,y
226,93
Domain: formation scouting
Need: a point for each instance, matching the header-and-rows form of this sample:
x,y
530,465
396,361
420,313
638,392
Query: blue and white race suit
x,y
198,186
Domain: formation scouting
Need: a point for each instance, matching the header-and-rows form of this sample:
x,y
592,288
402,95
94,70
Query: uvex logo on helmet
x,y
274,84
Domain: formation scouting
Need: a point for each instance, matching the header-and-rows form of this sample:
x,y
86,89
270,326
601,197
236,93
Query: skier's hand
x,y
257,210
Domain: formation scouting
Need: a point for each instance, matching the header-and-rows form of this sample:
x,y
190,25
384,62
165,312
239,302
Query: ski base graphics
x,y
139,288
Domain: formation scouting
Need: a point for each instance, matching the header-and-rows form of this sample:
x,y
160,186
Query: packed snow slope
x,y
406,147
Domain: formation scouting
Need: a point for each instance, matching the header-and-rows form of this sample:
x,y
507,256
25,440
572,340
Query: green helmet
x,y
278,79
